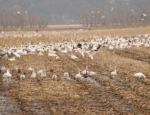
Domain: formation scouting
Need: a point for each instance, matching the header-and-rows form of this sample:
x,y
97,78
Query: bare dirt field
x,y
122,95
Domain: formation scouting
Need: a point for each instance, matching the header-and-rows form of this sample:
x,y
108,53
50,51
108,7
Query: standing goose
x,y
30,69
87,73
54,77
66,75
43,74
78,76
40,72
80,49
114,73
7,76
33,75
40,54
23,76
2,69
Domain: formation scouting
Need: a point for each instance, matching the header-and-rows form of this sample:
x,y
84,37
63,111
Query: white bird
x,y
88,73
18,12
43,74
112,8
91,73
57,58
24,52
78,76
40,54
66,75
22,76
144,15
114,73
54,76
74,57
93,51
81,51
64,51
92,12
30,69
2,68
85,71
40,72
7,76
12,59
33,75
139,75
6,56
52,54
17,55
90,54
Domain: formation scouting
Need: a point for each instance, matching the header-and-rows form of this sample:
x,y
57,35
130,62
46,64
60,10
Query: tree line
x,y
9,19
88,13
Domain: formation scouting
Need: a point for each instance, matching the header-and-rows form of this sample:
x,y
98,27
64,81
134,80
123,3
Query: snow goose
x,y
52,54
16,54
91,73
78,76
114,73
2,69
16,69
93,51
87,73
54,77
81,51
24,52
65,51
57,58
73,57
43,74
40,72
40,54
139,75
7,76
84,72
30,69
6,56
22,76
12,59
33,75
66,75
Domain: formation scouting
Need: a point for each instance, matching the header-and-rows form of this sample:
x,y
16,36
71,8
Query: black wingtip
x,y
98,48
79,45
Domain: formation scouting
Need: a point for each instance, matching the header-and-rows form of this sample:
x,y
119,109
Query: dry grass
x,y
59,36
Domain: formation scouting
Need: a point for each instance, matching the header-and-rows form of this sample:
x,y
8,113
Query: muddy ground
x,y
105,96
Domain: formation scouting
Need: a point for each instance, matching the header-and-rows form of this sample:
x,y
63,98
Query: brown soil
x,y
121,95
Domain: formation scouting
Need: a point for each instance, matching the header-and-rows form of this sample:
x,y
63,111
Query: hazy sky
x,y
70,11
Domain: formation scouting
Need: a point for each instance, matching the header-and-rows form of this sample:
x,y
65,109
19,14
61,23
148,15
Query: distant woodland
x,y
40,13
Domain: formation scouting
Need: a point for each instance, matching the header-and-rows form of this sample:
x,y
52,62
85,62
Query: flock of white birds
x,y
88,48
